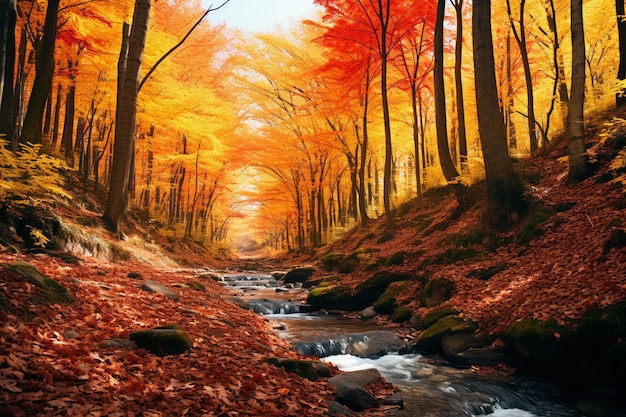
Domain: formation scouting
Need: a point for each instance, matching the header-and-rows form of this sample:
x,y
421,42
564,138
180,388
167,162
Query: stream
x,y
428,385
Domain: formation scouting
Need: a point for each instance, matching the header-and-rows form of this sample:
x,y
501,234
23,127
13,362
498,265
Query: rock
x,y
52,290
70,334
373,288
431,338
330,298
368,313
118,344
311,370
482,357
134,275
163,341
278,275
155,287
375,345
538,340
350,392
454,344
436,291
416,321
189,312
337,410
299,275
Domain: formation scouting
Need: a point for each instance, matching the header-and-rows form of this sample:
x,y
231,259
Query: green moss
x,y
432,336
437,314
368,292
401,314
386,303
52,291
331,260
603,326
195,285
538,340
330,298
163,341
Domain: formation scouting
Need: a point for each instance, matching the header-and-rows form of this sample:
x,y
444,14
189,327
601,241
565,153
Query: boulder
x,y
375,286
431,338
368,313
436,291
350,391
536,340
155,287
375,344
330,298
162,341
299,275
311,370
52,291
453,344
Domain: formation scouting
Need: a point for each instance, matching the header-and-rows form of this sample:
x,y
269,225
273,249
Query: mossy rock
x,y
401,314
195,285
386,303
330,298
437,314
601,327
52,291
396,259
436,291
430,339
331,260
299,275
538,340
368,292
162,341
311,370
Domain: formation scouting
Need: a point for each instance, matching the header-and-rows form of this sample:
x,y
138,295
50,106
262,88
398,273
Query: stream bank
x,y
428,384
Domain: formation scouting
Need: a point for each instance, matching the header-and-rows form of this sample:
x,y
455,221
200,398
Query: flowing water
x,y
428,385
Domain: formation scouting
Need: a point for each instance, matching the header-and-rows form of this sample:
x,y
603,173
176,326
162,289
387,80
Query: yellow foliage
x,y
29,176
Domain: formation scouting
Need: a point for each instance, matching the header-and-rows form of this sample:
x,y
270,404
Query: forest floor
x,y
54,358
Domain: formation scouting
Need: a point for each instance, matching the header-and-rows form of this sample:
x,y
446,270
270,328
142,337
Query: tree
x,y
458,79
504,192
8,20
449,170
578,159
621,31
124,145
44,63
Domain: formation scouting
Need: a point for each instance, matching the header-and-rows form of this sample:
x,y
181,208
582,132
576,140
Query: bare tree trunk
x,y
505,193
458,78
57,116
8,20
126,119
621,31
44,66
68,126
447,166
578,160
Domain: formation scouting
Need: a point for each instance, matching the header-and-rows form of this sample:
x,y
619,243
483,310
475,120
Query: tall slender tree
x,y
504,191
578,159
447,165
124,145
621,31
44,67
458,82
8,20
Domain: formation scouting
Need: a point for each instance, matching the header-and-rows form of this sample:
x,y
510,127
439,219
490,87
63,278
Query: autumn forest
x,y
289,138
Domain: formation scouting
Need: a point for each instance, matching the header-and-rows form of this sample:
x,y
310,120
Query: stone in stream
x,y
350,392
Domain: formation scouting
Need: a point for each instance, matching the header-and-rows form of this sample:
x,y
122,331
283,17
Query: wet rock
x,y
431,338
350,392
330,298
454,344
337,410
163,341
155,287
368,313
311,370
537,340
299,275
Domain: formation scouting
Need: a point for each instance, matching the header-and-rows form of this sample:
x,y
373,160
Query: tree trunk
x,y
8,20
68,126
57,116
505,199
458,78
126,119
621,31
44,67
364,145
447,166
578,169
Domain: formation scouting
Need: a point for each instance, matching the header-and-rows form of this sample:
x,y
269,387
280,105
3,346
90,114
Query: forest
x,y
290,138
385,149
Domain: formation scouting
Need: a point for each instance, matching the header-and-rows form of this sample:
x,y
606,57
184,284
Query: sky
x,y
260,15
